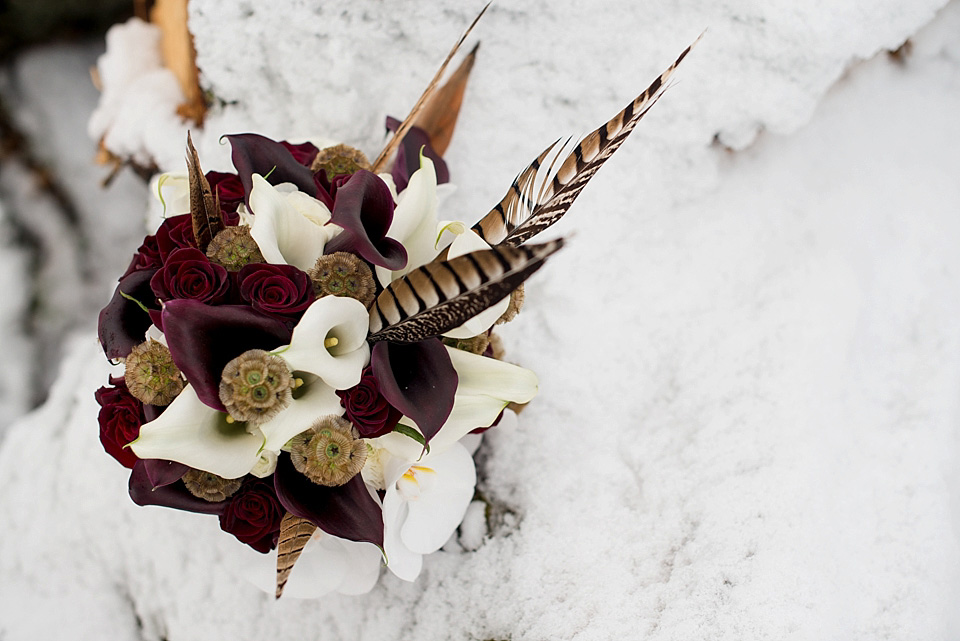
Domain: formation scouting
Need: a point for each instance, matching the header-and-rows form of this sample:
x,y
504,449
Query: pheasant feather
x,y
440,296
518,217
294,534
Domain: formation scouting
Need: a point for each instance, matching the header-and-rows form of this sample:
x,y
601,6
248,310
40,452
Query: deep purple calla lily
x,y
203,339
418,379
174,495
364,209
347,511
161,473
408,156
123,323
255,154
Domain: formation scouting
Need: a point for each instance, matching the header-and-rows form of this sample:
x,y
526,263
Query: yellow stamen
x,y
297,382
230,419
333,341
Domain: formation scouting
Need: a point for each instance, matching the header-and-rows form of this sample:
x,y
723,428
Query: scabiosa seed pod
x,y
476,345
343,274
516,304
330,453
209,486
339,160
151,375
234,248
256,386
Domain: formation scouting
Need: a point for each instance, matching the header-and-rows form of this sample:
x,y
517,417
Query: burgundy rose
x,y
147,257
253,515
175,232
304,153
121,416
228,188
367,409
278,290
188,273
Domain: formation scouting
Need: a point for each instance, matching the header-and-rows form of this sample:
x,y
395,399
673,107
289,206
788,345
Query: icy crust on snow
x,y
748,418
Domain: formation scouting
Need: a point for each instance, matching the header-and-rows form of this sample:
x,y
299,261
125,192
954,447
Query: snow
x,y
749,360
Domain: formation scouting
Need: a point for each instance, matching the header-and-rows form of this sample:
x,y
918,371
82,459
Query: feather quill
x,y
440,296
204,207
518,217
294,534
408,122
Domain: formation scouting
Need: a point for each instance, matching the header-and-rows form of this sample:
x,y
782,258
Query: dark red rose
x,y
228,187
253,515
188,273
175,232
367,409
147,257
121,416
304,153
277,290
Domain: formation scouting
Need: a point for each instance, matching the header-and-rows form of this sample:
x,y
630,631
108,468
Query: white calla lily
x,y
485,387
331,341
415,221
289,227
465,242
311,401
171,193
191,433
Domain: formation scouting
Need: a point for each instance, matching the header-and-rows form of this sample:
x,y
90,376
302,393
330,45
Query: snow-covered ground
x,y
749,354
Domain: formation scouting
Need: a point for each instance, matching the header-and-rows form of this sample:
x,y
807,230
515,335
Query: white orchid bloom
x,y
289,227
424,503
415,221
329,343
326,565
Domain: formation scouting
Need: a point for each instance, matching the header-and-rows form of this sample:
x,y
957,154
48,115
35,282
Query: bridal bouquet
x,y
308,349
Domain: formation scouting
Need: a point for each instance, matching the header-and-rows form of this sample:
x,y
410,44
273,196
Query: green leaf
x,y
408,431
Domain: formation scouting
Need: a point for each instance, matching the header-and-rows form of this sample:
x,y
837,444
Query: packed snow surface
x,y
749,360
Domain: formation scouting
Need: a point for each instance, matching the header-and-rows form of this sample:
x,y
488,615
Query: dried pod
x,y
476,345
151,376
330,453
516,304
209,486
234,248
256,386
343,274
339,160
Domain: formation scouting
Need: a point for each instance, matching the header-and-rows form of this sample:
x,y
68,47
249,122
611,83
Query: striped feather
x,y
294,534
441,296
423,100
514,220
204,208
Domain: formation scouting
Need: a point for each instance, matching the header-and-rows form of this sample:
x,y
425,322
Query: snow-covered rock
x,y
749,362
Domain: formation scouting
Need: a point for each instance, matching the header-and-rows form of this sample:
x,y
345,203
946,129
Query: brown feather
x,y
439,114
515,219
441,296
391,146
294,534
204,207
